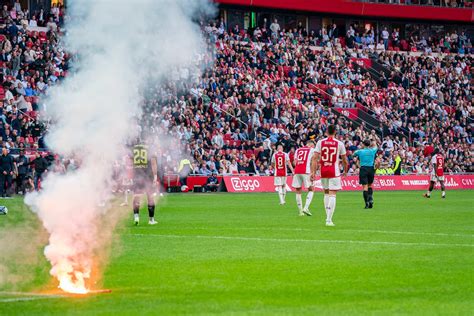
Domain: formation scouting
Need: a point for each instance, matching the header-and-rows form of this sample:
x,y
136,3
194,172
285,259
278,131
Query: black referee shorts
x,y
366,175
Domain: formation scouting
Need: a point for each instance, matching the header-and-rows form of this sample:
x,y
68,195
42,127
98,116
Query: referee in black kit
x,y
366,157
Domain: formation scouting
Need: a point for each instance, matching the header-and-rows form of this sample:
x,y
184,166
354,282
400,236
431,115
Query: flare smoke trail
x,y
121,46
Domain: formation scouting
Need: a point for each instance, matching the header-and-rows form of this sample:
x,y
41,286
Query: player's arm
x,y
374,144
355,155
154,168
343,154
314,164
345,164
290,166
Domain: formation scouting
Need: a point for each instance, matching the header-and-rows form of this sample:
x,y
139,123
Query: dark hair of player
x,y
367,142
332,130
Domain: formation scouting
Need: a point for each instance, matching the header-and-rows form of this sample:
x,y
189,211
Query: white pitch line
x,y
328,241
407,233
26,297
343,230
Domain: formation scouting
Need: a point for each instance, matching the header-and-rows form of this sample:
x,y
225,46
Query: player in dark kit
x,y
144,179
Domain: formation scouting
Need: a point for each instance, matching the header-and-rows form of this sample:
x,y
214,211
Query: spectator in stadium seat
x,y
212,183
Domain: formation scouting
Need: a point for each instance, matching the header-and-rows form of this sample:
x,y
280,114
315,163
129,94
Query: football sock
x,y
371,192
309,198
366,196
299,201
326,203
443,193
331,207
280,194
136,206
283,189
151,211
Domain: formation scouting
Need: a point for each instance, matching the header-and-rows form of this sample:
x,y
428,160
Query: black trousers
x,y
20,183
5,183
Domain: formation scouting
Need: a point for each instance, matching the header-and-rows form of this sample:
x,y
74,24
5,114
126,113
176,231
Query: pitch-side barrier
x,y
247,184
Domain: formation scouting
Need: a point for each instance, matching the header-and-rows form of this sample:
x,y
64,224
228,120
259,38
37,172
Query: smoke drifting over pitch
x,y
121,46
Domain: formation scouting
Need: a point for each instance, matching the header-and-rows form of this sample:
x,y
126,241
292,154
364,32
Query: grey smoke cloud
x,y
121,46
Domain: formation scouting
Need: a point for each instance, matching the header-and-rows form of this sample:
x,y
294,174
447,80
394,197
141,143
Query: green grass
x,y
245,254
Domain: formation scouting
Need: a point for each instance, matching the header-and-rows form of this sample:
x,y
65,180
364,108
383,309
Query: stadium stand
x,y
269,85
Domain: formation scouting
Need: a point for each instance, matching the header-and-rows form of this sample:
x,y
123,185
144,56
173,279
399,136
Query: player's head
x,y
366,142
331,130
280,148
310,143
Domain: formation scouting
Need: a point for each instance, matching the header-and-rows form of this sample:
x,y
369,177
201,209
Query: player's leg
x,y
370,180
151,207
443,188
430,189
309,196
125,197
334,185
136,208
278,186
365,193
299,201
363,180
370,197
325,185
283,190
297,184
331,207
281,194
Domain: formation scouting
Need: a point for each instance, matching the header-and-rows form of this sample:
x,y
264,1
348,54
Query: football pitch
x,y
243,254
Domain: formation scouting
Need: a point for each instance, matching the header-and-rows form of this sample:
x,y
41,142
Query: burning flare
x,y
73,283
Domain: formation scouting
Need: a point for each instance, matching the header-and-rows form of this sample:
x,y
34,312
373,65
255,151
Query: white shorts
x,y
436,178
300,180
333,184
279,181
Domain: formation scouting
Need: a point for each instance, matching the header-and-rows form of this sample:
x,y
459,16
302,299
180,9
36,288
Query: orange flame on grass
x,y
73,283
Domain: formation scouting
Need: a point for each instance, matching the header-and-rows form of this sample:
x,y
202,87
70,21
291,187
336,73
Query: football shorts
x,y
301,180
333,184
279,181
436,178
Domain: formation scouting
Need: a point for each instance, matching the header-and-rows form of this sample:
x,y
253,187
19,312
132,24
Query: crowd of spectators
x,y
30,63
260,88
274,86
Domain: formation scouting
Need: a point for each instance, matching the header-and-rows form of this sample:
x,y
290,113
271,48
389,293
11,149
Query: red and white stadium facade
x,y
362,9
